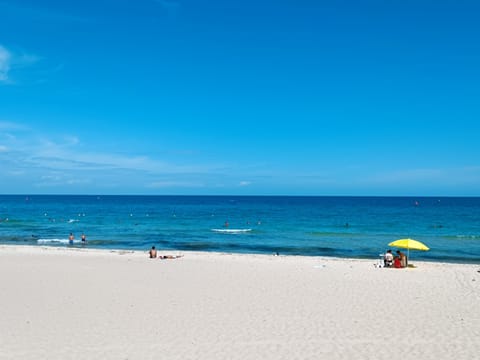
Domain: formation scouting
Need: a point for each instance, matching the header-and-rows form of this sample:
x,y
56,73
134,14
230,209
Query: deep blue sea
x,y
357,227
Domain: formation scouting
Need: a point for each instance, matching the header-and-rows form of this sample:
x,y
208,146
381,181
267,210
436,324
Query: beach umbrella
x,y
409,244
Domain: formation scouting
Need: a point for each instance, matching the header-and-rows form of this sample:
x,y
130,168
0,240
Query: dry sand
x,y
59,303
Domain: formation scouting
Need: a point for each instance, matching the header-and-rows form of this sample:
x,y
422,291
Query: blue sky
x,y
240,97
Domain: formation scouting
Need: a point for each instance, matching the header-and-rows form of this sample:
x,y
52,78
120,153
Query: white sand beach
x,y
61,303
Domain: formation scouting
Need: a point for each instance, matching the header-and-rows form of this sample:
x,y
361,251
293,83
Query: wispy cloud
x,y
20,60
10,60
5,61
410,175
68,153
8,125
40,12
428,177
65,161
59,179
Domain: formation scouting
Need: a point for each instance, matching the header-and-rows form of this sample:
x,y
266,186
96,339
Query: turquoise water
x,y
359,227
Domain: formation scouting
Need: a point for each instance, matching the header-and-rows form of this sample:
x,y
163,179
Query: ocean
x,y
353,227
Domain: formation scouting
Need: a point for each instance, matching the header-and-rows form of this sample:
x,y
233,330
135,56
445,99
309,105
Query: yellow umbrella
x,y
409,244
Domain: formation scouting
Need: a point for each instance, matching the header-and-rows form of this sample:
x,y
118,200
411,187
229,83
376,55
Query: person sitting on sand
x,y
397,264
403,258
388,259
153,253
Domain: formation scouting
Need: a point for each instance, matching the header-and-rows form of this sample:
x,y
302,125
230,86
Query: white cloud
x,y
24,60
13,60
5,62
65,162
50,178
16,173
244,183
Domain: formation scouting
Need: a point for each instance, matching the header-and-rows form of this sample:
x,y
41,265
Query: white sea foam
x,y
56,241
231,231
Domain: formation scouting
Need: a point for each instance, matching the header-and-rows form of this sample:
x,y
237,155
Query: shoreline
x,y
305,226
75,303
86,248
